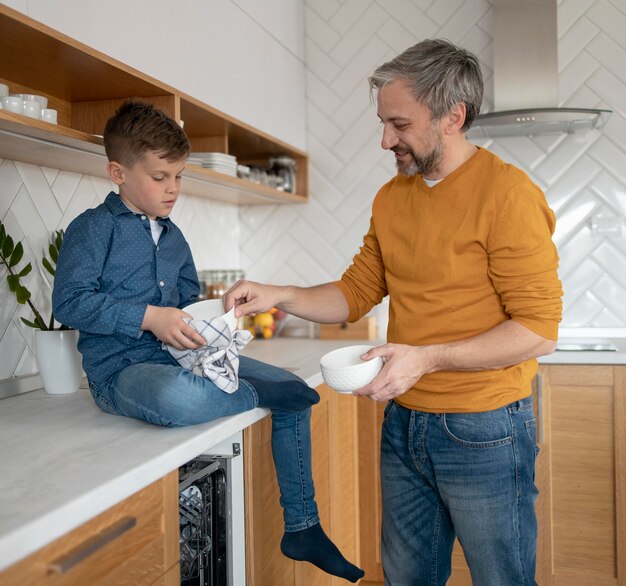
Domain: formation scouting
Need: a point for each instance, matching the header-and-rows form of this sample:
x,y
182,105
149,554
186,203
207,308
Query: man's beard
x,y
425,163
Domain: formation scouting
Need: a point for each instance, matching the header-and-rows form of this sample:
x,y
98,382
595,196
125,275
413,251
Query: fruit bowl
x,y
345,371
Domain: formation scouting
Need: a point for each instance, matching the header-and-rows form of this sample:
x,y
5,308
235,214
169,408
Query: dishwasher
x,y
205,512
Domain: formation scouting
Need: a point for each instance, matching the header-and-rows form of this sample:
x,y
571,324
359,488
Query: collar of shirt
x,y
114,202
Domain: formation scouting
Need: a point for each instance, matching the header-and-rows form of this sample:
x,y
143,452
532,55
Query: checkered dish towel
x,y
219,359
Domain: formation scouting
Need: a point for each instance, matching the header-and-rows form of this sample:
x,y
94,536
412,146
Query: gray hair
x,y
440,76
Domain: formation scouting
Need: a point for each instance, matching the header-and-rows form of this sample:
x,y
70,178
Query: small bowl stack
x,y
345,371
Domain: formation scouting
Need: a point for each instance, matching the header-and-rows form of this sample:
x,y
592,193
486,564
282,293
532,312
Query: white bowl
x,y
210,308
344,371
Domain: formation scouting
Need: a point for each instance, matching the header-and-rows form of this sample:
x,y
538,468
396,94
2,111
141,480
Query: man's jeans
x,y
469,475
163,393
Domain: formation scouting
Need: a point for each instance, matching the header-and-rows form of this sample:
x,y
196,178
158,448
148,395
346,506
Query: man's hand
x,y
250,298
167,324
403,366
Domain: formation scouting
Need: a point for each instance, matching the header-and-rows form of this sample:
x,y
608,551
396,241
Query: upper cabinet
x,y
86,86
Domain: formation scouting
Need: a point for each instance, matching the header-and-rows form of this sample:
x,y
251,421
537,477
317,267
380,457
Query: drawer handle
x,y
68,560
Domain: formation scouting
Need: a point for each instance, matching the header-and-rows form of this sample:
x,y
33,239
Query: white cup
x,y
49,115
12,104
43,101
32,109
4,90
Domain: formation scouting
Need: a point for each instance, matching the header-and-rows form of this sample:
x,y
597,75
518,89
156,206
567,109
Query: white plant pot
x,y
59,361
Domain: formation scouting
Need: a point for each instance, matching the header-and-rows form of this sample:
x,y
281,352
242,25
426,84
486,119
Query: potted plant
x,y
55,347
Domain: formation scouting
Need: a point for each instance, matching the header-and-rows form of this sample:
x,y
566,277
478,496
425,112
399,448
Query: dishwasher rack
x,y
204,518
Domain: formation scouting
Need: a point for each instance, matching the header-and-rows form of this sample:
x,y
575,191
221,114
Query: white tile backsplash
x,y
325,35
319,62
319,94
361,29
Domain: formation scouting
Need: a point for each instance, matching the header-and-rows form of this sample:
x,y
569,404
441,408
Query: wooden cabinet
x,y
364,329
86,86
581,475
334,433
584,427
133,543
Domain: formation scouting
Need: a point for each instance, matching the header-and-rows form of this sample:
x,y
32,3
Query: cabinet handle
x,y
539,409
73,557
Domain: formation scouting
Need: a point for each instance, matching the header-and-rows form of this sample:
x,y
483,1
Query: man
x,y
461,243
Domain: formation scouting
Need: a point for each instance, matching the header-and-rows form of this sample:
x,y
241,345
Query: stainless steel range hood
x,y
525,77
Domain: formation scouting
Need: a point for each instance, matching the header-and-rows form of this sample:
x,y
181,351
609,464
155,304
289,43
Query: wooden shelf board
x,y
64,67
33,141
39,143
225,188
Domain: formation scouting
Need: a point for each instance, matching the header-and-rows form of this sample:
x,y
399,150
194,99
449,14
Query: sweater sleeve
x,y
523,261
363,283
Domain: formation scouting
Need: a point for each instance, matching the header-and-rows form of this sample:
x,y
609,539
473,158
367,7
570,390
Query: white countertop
x,y
614,336
63,461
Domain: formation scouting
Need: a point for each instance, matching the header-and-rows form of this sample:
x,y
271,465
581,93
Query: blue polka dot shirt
x,y
109,270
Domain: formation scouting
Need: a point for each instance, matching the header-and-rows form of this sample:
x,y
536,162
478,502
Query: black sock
x,y
287,395
313,545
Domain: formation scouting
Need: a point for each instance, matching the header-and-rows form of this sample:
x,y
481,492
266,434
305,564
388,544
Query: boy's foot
x,y
286,395
313,545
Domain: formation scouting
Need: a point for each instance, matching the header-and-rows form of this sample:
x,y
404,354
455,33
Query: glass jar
x,y
284,168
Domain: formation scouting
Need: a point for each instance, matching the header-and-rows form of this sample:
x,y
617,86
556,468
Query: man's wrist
x,y
286,294
435,357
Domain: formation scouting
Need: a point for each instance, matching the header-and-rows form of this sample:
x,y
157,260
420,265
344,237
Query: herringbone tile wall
x,y
583,175
35,201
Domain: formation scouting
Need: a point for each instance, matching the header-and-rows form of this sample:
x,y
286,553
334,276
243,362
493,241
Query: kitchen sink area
x,y
585,345
588,346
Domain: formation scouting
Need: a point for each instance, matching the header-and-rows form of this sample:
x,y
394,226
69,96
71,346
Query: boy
x,y
124,275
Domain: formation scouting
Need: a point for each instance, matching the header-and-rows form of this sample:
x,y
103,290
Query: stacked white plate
x,y
220,162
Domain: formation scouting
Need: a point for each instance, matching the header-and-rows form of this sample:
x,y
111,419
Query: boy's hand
x,y
167,324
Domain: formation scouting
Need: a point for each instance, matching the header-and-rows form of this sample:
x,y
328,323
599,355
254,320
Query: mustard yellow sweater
x,y
456,260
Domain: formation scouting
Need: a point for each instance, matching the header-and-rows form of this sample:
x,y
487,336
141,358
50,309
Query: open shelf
x,y
86,87
33,141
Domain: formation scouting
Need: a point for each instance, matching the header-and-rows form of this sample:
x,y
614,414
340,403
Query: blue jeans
x,y
469,475
163,393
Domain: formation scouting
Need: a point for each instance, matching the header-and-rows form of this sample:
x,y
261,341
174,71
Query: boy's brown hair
x,y
137,128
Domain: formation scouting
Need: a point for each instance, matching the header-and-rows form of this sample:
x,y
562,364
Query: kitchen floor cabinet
x,y
86,87
334,433
134,543
581,475
584,520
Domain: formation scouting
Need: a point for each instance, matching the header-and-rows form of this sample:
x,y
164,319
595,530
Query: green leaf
x,y
30,324
54,253
14,282
16,256
25,270
7,246
46,263
59,238
2,234
22,294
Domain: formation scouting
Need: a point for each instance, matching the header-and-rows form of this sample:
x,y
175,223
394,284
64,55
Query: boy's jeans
x,y
469,475
163,393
